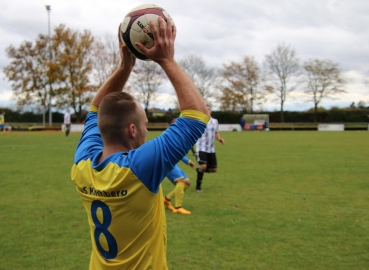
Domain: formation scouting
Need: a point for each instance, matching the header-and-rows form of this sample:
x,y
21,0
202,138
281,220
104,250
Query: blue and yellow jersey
x,y
185,160
177,173
122,195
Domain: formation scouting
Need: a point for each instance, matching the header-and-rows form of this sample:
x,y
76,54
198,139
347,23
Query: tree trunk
x,y
282,113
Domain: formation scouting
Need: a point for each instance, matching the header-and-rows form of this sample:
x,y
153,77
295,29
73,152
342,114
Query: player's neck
x,y
109,150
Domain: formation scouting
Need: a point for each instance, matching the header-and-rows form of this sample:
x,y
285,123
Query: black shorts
x,y
210,159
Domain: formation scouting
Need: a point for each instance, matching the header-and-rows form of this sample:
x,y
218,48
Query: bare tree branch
x,y
323,80
146,80
204,77
281,66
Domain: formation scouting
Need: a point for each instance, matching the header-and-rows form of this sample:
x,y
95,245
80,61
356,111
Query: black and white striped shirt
x,y
206,142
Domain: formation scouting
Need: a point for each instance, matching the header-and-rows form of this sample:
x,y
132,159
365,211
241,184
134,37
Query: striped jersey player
x,y
205,150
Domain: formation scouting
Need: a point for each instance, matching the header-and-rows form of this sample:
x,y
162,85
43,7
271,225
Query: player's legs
x,y
67,130
181,186
202,159
212,163
181,181
179,191
168,198
207,163
172,176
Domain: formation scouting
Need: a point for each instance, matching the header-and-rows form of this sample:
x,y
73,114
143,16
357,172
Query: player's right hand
x,y
163,50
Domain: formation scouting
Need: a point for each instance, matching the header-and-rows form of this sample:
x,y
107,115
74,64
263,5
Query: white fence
x,y
331,127
74,127
230,127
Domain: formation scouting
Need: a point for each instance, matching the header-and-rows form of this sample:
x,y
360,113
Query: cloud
x,y
218,31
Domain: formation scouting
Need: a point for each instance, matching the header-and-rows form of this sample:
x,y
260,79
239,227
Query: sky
x,y
219,32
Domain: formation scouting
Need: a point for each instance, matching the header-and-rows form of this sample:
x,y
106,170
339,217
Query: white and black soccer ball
x,y
136,28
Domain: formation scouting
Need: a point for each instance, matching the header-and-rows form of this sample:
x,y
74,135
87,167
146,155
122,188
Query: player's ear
x,y
132,131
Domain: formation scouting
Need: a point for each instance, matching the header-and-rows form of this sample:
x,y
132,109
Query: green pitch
x,y
280,200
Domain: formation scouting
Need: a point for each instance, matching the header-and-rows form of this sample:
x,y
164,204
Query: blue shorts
x,y
176,174
2,126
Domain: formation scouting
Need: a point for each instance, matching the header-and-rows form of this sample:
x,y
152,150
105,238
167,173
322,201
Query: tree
x,y
323,80
73,61
281,66
361,104
203,77
69,70
146,79
30,73
243,85
228,100
106,57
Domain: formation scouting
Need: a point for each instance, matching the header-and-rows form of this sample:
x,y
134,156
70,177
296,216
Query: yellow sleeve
x,y
93,108
195,115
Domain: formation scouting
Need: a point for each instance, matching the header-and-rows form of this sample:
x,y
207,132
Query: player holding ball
x,y
118,174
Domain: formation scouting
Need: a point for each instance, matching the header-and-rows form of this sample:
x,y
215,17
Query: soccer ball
x,y
136,28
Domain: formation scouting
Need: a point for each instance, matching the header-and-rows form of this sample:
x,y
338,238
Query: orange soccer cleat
x,y
168,204
181,210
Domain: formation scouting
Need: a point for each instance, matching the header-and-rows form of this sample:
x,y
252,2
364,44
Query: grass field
x,y
280,200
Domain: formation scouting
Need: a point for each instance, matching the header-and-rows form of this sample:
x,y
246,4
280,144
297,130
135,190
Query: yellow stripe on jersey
x,y
196,115
112,198
94,108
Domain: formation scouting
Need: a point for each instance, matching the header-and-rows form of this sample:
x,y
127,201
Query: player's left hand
x,y
192,165
128,60
221,140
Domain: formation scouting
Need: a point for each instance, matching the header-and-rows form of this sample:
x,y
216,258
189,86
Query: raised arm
x,y
163,53
118,79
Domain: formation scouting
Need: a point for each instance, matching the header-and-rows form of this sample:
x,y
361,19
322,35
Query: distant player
x,y
205,148
242,123
67,122
181,181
